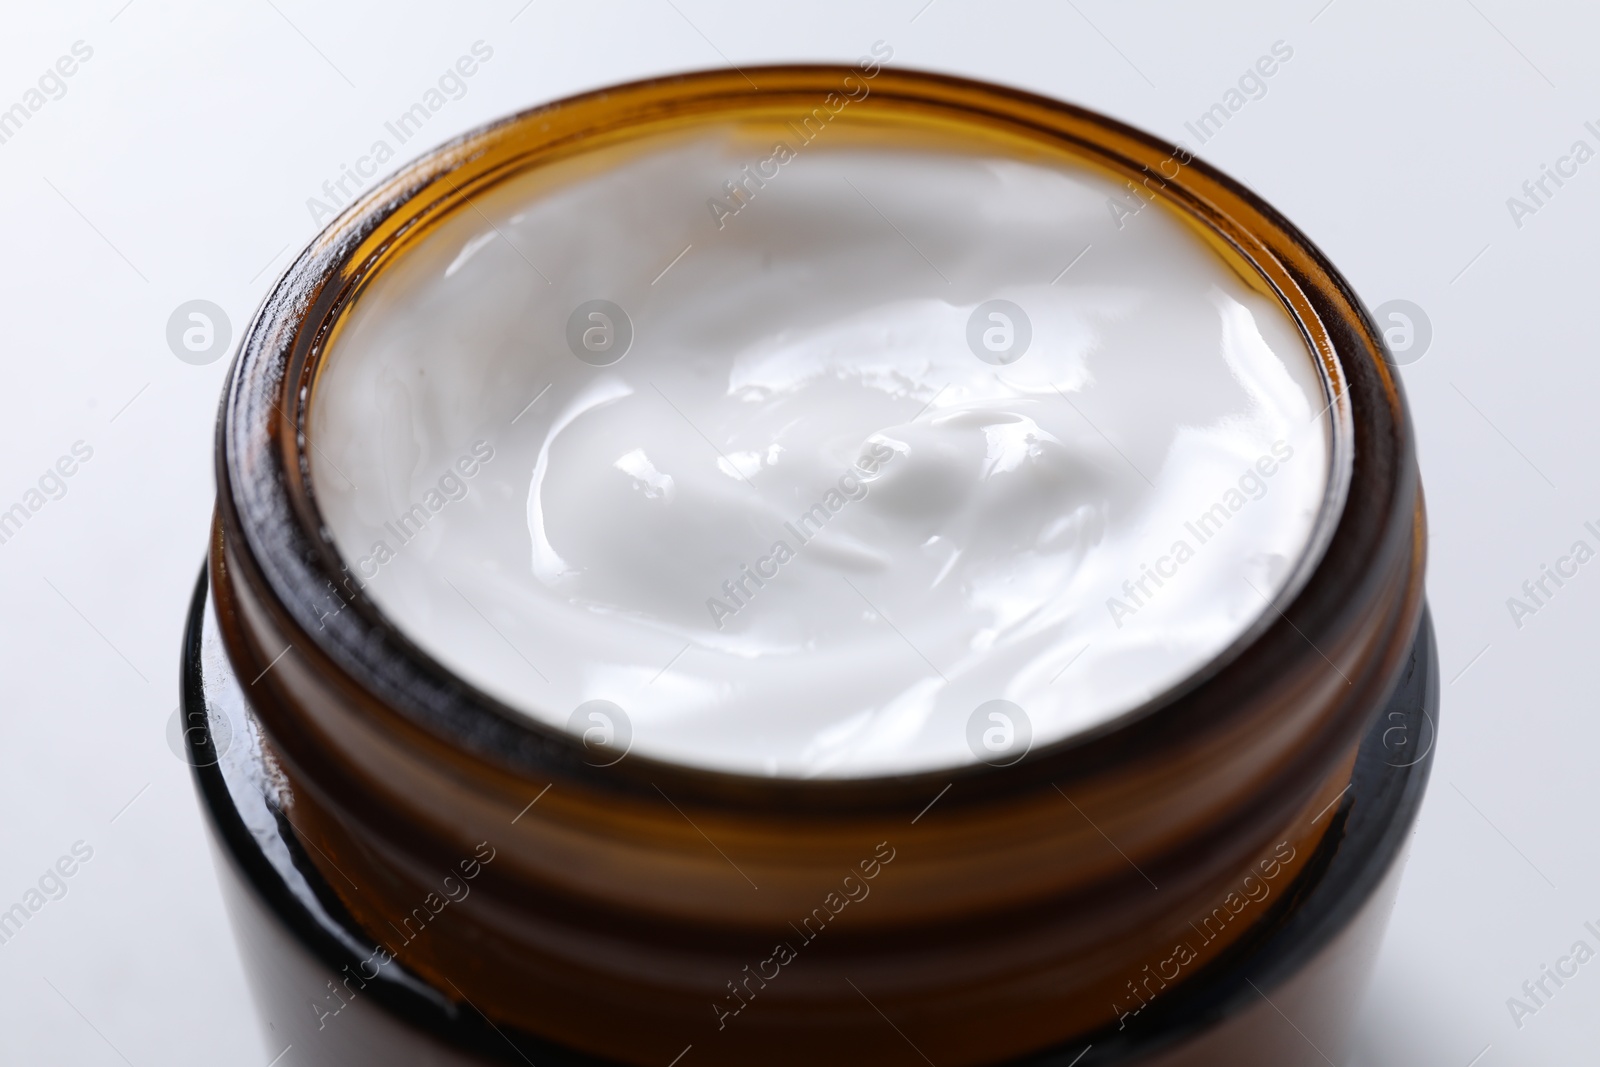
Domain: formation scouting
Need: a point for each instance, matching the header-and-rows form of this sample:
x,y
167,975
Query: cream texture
x,y
800,528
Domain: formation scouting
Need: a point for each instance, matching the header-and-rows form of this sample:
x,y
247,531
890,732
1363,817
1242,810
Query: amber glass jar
x,y
422,875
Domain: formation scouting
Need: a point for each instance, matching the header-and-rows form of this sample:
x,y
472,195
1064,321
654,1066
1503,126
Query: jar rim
x,y
282,546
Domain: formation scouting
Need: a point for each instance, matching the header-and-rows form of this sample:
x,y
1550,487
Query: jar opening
x,y
679,441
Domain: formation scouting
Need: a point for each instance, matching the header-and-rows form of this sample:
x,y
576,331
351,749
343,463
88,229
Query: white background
x,y
178,165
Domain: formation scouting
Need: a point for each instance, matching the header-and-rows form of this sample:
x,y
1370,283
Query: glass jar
x,y
419,874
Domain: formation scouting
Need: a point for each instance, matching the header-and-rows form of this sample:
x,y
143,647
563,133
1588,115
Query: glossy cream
x,y
800,527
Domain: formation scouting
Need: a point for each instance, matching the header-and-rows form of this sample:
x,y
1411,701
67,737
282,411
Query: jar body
x,y
1287,998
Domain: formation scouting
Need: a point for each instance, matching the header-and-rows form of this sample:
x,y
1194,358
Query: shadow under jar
x,y
427,866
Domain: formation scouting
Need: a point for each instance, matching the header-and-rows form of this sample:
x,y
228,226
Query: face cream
x,y
809,456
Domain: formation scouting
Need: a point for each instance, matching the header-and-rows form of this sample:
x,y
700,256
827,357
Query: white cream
x,y
991,527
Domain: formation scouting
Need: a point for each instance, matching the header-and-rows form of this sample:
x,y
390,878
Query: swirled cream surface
x,y
814,462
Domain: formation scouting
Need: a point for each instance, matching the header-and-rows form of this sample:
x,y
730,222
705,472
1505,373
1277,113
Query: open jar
x,y
1120,805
